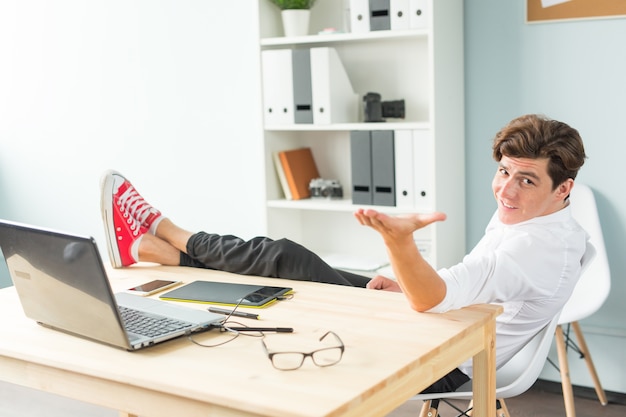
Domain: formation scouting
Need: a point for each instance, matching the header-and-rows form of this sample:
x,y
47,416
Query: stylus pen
x,y
262,329
233,313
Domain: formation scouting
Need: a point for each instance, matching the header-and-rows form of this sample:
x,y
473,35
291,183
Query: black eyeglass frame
x,y
341,347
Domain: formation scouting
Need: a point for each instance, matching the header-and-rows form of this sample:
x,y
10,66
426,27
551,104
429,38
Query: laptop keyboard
x,y
150,325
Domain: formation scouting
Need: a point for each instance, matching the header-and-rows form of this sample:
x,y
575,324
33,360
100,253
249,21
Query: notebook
x,y
62,284
227,293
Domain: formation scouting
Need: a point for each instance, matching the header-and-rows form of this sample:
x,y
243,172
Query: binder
x,y
361,166
404,171
379,15
399,13
277,85
423,157
302,93
299,168
419,14
359,16
383,168
334,100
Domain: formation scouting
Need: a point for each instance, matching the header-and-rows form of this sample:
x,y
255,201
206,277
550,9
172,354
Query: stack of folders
x,y
391,168
370,15
296,168
307,85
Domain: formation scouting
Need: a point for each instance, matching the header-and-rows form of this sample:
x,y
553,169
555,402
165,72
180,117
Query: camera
x,y
375,110
321,188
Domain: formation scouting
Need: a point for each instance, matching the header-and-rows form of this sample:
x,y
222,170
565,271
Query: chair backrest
x,y
595,282
518,374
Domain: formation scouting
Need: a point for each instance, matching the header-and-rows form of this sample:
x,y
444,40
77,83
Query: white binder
x,y
413,159
359,16
423,156
403,148
419,14
334,100
400,14
277,81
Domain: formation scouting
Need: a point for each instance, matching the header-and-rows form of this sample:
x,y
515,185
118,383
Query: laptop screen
x,y
61,281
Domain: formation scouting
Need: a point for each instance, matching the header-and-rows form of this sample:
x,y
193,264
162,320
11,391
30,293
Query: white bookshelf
x,y
422,66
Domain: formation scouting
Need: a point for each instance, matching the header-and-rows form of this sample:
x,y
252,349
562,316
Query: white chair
x,y
589,295
512,379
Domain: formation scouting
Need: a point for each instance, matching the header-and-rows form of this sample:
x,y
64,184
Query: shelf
x,y
341,127
344,205
344,37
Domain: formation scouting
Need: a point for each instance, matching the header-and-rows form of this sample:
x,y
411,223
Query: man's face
x,y
523,190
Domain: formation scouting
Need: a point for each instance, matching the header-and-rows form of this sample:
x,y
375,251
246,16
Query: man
x,y
528,260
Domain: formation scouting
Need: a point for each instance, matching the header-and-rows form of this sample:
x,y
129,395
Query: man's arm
x,y
421,284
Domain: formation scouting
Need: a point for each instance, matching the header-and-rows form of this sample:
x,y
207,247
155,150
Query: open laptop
x,y
62,284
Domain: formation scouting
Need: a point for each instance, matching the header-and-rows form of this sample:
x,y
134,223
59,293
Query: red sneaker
x,y
126,216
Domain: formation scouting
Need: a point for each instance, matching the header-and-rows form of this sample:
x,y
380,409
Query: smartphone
x,y
152,287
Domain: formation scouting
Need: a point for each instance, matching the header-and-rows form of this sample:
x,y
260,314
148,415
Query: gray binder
x,y
302,91
380,18
361,166
383,168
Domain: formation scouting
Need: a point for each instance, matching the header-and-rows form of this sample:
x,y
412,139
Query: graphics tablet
x,y
226,293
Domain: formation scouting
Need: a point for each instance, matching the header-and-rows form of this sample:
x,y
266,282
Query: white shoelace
x,y
133,205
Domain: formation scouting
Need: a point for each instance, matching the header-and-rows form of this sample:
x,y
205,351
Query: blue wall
x,y
574,71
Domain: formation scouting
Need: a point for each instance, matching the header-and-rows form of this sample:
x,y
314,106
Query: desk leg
x,y
484,378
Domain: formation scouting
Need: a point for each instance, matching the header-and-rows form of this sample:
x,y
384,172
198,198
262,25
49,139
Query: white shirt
x,y
529,268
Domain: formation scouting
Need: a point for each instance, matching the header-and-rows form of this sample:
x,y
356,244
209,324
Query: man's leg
x,y
264,257
449,383
138,231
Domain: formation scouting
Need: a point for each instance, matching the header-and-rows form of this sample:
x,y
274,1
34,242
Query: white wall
x,y
165,91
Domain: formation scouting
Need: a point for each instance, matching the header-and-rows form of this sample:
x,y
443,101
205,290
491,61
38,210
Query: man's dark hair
x,y
536,137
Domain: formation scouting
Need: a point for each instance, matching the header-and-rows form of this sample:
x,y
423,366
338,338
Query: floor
x,y
542,400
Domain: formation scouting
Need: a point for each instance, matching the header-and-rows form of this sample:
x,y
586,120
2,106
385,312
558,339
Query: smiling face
x,y
524,190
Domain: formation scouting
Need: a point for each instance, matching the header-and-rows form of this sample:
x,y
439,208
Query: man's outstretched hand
x,y
394,228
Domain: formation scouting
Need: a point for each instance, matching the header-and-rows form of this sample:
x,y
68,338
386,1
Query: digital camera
x,y
375,110
321,188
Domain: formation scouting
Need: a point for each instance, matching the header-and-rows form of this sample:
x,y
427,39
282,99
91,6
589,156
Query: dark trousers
x,y
449,383
264,257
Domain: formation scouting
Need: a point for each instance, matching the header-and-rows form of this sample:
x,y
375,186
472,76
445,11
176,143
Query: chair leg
x,y
566,383
501,410
582,345
428,410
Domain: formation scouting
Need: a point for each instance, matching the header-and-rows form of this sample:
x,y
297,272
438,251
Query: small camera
x,y
321,188
375,110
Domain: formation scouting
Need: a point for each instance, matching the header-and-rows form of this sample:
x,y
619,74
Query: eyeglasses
x,y
288,361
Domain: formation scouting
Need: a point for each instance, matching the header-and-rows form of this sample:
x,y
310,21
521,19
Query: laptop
x,y
62,284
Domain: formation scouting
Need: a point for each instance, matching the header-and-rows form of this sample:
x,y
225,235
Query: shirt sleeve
x,y
507,266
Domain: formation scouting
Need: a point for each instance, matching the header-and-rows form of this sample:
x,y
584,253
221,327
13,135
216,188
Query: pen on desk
x,y
262,329
233,313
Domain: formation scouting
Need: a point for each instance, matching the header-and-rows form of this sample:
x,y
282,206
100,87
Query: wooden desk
x,y
391,354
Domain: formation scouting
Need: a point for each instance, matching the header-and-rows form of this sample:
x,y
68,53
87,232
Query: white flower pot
x,y
296,22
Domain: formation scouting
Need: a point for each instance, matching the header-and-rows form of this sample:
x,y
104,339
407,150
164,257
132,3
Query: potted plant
x,y
295,14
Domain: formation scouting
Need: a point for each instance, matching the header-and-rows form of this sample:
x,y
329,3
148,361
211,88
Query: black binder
x,y
361,166
302,90
380,17
383,168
